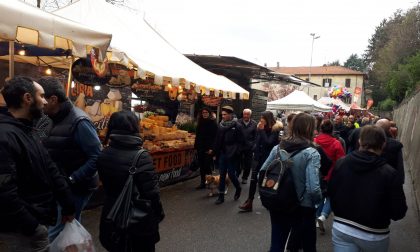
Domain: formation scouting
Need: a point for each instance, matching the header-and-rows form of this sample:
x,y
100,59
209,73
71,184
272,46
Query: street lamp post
x,y
312,50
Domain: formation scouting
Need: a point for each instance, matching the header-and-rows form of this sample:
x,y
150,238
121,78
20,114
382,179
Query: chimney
x,y
278,64
265,64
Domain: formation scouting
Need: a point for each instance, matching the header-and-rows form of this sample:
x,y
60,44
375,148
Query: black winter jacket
x,y
30,183
205,135
392,153
265,141
113,165
229,140
250,132
365,193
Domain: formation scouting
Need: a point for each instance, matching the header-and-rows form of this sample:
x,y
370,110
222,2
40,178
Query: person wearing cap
x,y
229,140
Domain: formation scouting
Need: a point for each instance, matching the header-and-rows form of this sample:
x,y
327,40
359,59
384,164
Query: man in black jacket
x,y
392,152
229,140
73,145
249,129
365,195
30,183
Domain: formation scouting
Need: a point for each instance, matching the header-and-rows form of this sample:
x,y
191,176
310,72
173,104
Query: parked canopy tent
x,y
331,101
48,39
297,100
147,48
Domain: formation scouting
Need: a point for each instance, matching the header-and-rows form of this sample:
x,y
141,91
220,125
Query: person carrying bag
x,y
132,209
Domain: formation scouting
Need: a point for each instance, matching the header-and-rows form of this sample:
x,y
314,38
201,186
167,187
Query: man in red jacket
x,y
334,150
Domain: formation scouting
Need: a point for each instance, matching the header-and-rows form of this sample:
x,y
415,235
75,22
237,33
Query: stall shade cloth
x,y
297,100
23,23
146,47
334,101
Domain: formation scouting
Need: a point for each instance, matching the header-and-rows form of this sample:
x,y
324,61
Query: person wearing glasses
x,y
229,140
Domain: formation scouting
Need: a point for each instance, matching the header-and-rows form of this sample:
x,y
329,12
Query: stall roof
x,y
26,24
145,46
297,100
239,69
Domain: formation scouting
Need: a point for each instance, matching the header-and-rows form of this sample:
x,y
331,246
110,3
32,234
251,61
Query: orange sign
x,y
369,104
172,160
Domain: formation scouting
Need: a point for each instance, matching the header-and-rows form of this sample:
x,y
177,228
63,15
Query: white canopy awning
x,y
26,24
297,100
338,102
147,48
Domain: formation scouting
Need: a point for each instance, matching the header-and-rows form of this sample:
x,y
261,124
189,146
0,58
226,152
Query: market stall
x,y
297,101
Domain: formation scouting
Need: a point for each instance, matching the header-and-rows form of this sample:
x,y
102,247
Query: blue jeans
x,y
345,243
227,165
80,202
324,208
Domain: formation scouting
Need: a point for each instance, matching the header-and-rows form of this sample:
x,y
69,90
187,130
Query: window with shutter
x,y
348,82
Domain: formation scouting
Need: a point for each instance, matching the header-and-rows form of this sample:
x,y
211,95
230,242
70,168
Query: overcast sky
x,y
270,31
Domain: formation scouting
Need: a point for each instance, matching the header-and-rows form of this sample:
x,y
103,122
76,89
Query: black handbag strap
x,y
133,168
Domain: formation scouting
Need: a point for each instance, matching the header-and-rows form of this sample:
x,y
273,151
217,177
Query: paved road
x,y
194,223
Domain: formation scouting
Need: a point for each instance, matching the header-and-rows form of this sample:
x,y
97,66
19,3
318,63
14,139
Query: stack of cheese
x,y
155,128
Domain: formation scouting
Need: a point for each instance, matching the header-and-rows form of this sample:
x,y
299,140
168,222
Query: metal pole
x,y
11,59
312,50
69,77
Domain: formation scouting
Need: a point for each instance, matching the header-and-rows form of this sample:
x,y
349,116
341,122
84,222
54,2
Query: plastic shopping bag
x,y
73,238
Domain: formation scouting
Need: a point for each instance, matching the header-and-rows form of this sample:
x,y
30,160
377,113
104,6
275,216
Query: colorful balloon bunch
x,y
339,92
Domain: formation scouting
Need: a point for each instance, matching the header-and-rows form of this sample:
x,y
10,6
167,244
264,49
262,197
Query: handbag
x,y
131,215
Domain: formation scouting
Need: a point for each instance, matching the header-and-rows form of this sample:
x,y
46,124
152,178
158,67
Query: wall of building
x,y
337,80
407,117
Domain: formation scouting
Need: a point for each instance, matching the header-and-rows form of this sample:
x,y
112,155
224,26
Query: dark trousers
x,y
245,164
205,162
254,179
227,166
297,230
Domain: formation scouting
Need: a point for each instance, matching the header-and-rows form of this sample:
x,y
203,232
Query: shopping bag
x,y
73,238
131,214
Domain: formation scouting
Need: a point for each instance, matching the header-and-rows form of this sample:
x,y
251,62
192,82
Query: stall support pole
x,y
69,77
218,114
11,59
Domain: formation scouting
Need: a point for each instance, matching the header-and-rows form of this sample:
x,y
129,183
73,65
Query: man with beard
x,y
73,145
30,183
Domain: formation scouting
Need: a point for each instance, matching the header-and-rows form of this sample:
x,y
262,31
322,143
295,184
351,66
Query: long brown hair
x,y
269,118
303,126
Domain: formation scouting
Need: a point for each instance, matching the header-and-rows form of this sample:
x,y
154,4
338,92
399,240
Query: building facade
x,y
329,77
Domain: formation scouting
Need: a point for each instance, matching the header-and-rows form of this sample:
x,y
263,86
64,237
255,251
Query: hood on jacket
x,y
325,139
277,126
125,141
365,161
8,118
291,145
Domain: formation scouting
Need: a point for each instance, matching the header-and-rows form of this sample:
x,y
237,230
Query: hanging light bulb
x,y
22,51
97,88
72,84
48,71
170,85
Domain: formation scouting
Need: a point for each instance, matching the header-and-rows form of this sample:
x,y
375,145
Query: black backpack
x,y
276,185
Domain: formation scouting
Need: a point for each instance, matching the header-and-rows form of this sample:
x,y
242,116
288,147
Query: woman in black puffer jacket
x,y
113,165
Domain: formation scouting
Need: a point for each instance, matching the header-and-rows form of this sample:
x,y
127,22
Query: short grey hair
x,y
247,110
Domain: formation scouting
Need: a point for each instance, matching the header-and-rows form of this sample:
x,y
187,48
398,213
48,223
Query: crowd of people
x,y
51,160
342,164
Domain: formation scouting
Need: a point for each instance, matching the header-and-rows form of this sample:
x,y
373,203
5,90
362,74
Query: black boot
x,y
220,199
237,193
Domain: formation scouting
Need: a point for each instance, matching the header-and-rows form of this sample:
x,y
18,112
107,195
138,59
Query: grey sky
x,y
267,31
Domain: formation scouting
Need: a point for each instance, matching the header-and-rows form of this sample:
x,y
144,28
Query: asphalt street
x,y
194,223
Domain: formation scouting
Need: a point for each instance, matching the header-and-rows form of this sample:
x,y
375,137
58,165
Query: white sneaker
x,y
320,223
